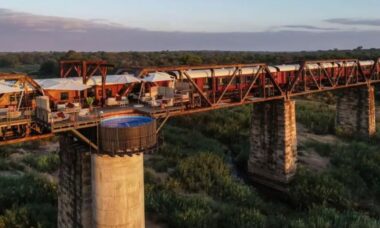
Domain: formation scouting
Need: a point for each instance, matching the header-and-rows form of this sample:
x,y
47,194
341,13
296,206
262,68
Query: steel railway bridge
x,y
273,155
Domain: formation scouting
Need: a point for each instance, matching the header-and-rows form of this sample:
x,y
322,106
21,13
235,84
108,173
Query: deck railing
x,y
9,117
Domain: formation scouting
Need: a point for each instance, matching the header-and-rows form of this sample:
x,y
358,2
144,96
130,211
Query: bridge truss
x,y
263,84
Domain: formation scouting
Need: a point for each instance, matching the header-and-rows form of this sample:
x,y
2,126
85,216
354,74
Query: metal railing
x,y
12,117
74,118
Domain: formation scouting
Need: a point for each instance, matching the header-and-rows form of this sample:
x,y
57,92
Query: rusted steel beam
x,y
213,81
25,139
375,69
34,84
197,88
84,139
22,78
82,68
328,76
296,79
271,78
162,123
233,76
313,77
255,77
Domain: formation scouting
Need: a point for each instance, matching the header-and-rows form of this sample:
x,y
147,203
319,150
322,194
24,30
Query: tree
x,y
192,59
9,60
49,67
73,55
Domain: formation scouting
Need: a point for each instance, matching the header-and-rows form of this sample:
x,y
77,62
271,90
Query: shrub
x,y
6,165
177,210
24,190
330,218
43,163
317,117
318,189
30,215
202,172
241,217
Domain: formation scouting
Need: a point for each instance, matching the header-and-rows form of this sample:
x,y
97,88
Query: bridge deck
x,y
215,93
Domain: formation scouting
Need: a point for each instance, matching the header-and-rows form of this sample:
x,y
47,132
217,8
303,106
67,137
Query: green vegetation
x,y
27,201
201,189
46,62
198,176
317,117
43,163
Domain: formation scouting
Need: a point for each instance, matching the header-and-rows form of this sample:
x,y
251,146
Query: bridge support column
x,y
355,113
118,191
273,155
74,189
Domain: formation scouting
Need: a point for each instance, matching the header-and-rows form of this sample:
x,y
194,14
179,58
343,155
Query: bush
x,y
241,217
318,189
25,190
30,215
202,172
177,210
43,163
186,141
330,218
7,165
317,117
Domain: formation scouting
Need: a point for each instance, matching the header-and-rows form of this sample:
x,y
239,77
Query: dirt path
x,y
308,156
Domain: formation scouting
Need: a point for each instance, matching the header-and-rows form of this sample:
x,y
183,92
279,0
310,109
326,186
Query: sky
x,y
154,25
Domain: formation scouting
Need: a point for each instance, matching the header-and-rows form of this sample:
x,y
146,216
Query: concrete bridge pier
x,y
74,188
355,112
118,191
104,188
98,190
273,156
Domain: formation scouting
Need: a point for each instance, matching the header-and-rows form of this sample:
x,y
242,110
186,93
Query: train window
x,y
209,82
220,81
108,92
64,96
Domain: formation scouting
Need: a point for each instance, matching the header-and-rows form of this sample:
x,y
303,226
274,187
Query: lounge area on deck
x,y
161,91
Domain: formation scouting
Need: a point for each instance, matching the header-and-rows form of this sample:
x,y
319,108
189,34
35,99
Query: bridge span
x,y
101,173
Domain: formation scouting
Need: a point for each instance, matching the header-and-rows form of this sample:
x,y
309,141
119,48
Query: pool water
x,y
126,121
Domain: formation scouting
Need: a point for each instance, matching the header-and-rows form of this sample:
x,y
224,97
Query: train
x,y
210,82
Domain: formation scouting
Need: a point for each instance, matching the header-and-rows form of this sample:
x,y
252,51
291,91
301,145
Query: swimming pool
x,y
126,121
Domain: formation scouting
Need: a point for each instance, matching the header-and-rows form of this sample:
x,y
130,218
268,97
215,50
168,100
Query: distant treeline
x,y
48,60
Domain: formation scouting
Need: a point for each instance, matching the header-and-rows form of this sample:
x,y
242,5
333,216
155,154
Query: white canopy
x,y
158,77
62,84
76,83
113,80
4,88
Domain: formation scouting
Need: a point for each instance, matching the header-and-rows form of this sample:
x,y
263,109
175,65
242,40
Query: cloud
x,y
28,32
309,27
353,21
32,22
